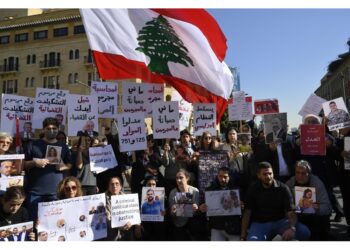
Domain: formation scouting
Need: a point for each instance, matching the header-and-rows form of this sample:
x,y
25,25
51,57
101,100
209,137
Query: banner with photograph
x,y
240,111
10,181
183,203
125,208
313,105
347,148
275,127
209,164
165,120
312,139
305,198
12,107
107,98
102,158
76,219
82,115
16,232
152,204
185,110
223,203
204,118
337,113
132,132
266,106
49,103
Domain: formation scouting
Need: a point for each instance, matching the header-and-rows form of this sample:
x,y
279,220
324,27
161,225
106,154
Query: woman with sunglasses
x,y
69,187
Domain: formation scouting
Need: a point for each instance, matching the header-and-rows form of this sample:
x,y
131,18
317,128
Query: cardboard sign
x,y
240,111
312,139
313,105
185,110
102,158
107,98
125,208
165,120
204,118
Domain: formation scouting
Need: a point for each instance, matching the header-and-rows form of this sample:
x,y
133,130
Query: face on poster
x,y
337,114
266,106
53,154
152,204
305,198
275,127
223,203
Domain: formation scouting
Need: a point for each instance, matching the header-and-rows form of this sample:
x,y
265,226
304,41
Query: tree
x,y
159,41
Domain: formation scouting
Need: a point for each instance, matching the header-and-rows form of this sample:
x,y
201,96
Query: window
x,y
42,34
9,86
70,78
32,82
11,64
71,55
60,32
89,78
4,39
79,29
28,59
33,59
52,59
51,82
76,54
27,82
21,37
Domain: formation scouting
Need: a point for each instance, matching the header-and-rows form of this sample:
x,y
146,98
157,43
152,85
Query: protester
x,y
69,187
5,145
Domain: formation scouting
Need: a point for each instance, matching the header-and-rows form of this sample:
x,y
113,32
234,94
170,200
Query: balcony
x,y
50,64
88,61
8,69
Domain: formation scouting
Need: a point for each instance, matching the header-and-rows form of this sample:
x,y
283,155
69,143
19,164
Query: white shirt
x,y
283,167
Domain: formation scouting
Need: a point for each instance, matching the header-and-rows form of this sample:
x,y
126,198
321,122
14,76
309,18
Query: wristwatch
x,y
293,228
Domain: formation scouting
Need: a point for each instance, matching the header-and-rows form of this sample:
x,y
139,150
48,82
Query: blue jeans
x,y
32,201
268,230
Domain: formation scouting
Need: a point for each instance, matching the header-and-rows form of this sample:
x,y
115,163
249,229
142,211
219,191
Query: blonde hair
x,y
6,135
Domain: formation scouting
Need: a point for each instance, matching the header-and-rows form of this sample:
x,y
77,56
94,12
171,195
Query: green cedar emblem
x,y
159,41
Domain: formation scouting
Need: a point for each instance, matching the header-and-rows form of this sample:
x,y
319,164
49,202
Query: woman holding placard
x,y
69,187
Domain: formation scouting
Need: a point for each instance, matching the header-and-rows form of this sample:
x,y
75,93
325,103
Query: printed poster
x,y
275,127
102,158
204,118
312,139
266,106
305,198
184,202
165,120
10,181
107,98
337,114
76,219
16,232
240,111
152,204
125,208
53,154
223,203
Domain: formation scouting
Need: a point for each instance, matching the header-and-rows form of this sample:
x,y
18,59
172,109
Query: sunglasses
x,y
74,188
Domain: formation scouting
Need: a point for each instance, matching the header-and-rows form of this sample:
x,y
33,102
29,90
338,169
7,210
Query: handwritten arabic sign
x,y
313,105
185,110
13,106
267,106
102,158
82,109
312,140
125,208
165,120
132,133
76,219
107,97
204,118
49,103
240,111
139,97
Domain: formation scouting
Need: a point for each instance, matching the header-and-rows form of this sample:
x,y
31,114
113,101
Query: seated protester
x,y
152,230
69,187
269,210
185,228
124,233
318,223
223,228
12,212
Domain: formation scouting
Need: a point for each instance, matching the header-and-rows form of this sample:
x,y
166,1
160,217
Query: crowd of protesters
x,y
265,175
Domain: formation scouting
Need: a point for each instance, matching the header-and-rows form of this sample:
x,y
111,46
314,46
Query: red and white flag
x,y
182,47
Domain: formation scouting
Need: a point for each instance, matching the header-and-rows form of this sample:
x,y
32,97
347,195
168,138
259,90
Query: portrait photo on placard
x,y
53,154
275,127
337,114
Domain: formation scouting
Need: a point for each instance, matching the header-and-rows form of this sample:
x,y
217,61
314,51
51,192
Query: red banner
x,y
312,140
268,106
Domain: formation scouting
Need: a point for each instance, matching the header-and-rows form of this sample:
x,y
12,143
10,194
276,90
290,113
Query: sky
x,y
283,53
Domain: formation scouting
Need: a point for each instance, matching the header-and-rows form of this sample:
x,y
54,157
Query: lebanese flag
x,y
182,47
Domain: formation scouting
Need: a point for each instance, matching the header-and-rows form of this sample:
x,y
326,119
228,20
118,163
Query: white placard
x,y
24,229
10,181
76,219
155,93
337,114
238,96
305,198
82,113
49,103
313,105
132,133
107,98
204,118
223,203
12,157
13,106
165,120
241,111
102,158
152,204
185,110
125,208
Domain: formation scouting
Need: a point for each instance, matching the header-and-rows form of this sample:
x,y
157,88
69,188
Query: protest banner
x,y
165,120
312,139
183,203
240,111
204,118
275,127
185,110
10,181
16,232
125,208
139,97
266,106
82,115
223,203
49,103
107,98
313,105
76,219
209,164
12,157
337,113
152,204
12,107
132,133
347,148
305,197
102,158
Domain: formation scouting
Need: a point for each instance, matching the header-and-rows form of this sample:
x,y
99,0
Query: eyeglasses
x,y
68,188
206,138
5,142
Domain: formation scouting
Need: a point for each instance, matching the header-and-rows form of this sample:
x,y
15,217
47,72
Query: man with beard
x,y
152,205
278,132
